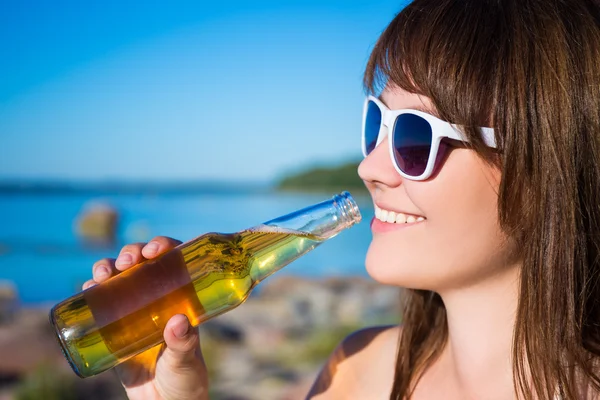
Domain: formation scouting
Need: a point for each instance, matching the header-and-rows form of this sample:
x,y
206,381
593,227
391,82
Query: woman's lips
x,y
378,226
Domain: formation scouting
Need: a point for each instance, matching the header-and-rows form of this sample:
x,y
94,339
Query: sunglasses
x,y
415,143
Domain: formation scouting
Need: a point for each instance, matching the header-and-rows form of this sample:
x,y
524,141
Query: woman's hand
x,y
171,371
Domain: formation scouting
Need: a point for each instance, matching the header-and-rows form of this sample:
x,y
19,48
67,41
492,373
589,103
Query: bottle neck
x,y
324,220
298,233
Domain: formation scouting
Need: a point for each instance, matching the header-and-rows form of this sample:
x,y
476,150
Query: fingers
x,y
88,284
159,245
180,370
182,343
101,271
134,253
130,255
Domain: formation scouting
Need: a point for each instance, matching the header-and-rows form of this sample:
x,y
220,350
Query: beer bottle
x,y
115,320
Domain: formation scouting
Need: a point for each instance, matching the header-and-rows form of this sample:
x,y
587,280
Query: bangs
x,y
446,50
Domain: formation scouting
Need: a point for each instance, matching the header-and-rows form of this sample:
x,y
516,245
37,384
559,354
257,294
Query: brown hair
x,y
531,69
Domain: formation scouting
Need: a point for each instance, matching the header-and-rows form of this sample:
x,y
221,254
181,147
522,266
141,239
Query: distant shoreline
x,y
103,188
310,180
341,177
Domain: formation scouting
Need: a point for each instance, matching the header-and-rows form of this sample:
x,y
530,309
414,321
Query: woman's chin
x,y
405,274
394,275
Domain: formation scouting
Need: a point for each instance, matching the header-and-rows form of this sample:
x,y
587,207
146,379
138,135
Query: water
x,y
42,255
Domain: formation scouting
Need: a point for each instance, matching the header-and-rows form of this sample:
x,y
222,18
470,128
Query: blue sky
x,y
182,90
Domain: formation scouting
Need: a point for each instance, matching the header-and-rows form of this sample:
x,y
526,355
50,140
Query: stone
x,y
270,347
97,222
223,331
8,302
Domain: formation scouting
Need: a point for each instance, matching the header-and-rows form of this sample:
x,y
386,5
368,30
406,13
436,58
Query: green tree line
x,y
343,177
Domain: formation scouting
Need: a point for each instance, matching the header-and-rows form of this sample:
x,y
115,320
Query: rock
x,y
332,301
31,363
223,331
97,222
26,342
8,301
270,347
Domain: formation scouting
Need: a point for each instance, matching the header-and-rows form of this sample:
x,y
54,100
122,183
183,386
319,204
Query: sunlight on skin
x,y
345,367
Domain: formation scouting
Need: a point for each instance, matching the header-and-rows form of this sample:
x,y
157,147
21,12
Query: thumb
x,y
182,342
180,370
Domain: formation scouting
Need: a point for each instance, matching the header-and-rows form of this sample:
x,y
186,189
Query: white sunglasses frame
x,y
439,130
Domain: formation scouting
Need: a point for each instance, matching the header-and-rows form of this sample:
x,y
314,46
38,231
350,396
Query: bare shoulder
x,y
362,364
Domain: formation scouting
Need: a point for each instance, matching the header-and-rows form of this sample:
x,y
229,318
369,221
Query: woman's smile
x,y
396,217
385,220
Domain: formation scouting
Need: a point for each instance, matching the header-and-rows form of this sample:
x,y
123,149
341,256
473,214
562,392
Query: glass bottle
x,y
115,320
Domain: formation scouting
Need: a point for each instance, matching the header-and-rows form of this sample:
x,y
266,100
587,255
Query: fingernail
x,y
181,330
102,271
151,248
124,259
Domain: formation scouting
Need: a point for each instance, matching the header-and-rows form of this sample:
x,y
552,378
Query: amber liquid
x,y
113,321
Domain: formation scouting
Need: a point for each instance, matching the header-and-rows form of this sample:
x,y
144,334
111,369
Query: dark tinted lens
x,y
372,125
412,143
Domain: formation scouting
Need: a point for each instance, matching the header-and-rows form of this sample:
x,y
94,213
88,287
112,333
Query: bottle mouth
x,y
348,207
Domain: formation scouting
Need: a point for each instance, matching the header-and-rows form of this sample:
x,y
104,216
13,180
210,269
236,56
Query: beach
x,y
270,347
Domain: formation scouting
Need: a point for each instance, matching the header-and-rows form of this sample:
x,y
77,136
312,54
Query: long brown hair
x,y
530,69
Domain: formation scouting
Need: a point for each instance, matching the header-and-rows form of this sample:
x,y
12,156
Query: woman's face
x,y
456,239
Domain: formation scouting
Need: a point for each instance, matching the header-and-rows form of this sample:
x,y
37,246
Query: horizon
x,y
136,91
118,181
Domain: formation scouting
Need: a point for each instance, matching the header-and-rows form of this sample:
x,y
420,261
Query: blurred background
x,y
120,121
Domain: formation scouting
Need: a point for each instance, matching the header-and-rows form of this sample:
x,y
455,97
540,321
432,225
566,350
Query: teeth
x,y
384,215
401,218
393,217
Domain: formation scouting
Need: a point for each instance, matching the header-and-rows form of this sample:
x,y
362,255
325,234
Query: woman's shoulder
x,y
364,361
385,332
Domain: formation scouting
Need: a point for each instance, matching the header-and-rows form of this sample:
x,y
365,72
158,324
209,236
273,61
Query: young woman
x,y
482,156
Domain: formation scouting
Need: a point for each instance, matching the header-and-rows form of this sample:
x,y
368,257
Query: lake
x,y
42,255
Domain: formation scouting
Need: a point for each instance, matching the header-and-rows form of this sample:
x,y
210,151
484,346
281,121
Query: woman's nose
x,y
377,167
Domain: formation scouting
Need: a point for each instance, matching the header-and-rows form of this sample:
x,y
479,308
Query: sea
x,y
46,261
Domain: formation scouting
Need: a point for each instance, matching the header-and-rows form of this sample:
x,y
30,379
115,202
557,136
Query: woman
x,y
495,232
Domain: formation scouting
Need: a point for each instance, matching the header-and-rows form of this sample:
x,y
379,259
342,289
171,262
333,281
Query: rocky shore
x,y
271,347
